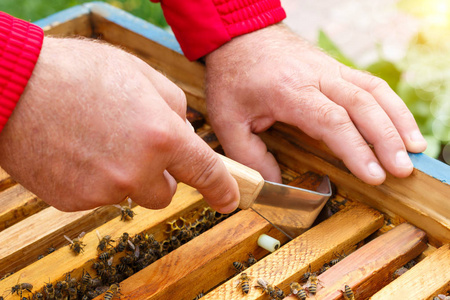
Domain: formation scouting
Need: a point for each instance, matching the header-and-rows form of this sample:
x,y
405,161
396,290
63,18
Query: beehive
x,y
380,229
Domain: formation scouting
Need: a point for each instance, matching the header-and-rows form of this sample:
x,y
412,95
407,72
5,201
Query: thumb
x,y
197,165
242,145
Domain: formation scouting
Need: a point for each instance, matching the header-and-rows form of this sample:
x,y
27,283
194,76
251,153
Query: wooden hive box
x,y
379,229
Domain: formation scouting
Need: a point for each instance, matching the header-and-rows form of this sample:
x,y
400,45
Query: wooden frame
x,y
420,201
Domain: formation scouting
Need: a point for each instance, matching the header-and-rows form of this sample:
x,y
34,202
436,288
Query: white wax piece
x,y
268,242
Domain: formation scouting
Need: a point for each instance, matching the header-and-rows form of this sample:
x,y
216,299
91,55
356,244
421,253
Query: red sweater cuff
x,y
20,45
201,26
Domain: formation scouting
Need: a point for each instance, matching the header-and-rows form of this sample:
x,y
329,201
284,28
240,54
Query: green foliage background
x,y
33,10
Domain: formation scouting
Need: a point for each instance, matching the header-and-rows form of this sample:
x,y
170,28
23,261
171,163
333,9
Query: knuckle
x,y
158,137
205,176
377,83
333,116
389,134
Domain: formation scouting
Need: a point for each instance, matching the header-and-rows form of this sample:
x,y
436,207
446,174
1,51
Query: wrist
x,y
20,45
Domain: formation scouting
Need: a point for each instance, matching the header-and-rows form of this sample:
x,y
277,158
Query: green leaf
x,y
330,47
387,71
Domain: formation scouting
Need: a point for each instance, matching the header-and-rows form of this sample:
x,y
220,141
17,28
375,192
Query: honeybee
x,y
297,290
348,293
76,245
20,287
6,275
200,295
338,258
306,276
125,269
123,241
279,294
38,296
175,242
238,266
127,213
251,260
244,282
113,290
104,242
73,293
312,283
268,288
49,291
107,254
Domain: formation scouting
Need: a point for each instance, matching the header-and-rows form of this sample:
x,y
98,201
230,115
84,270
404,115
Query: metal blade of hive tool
x,y
290,209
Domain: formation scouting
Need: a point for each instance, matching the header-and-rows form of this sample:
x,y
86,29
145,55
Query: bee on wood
x,y
59,295
104,256
49,291
73,293
20,287
348,293
279,294
125,269
244,282
127,212
338,258
113,290
297,290
251,260
273,292
306,276
312,283
6,275
122,242
76,245
324,268
200,295
175,242
38,296
104,242
238,266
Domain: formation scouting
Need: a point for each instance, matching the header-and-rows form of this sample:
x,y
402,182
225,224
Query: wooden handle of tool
x,y
250,181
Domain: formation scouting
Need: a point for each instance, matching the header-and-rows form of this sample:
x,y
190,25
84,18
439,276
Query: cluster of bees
x,y
309,279
131,254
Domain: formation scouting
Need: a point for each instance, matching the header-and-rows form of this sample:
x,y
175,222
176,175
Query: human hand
x,y
273,75
96,124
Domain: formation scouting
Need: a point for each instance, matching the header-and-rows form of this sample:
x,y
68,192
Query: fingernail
x,y
190,125
416,136
402,160
375,170
229,208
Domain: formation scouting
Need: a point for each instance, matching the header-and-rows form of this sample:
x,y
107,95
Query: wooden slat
x,y
5,180
425,280
63,260
371,267
80,26
26,240
314,247
202,263
16,204
392,197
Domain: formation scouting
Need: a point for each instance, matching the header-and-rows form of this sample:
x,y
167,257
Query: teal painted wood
x,y
126,20
118,16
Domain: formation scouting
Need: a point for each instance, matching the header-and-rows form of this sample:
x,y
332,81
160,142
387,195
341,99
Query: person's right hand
x,y
96,124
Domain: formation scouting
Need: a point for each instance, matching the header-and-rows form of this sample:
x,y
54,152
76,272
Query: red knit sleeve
x,y
201,26
20,45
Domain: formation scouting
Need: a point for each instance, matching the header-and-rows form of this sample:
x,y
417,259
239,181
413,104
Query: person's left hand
x,y
273,75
